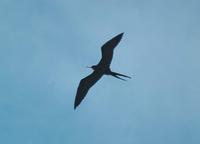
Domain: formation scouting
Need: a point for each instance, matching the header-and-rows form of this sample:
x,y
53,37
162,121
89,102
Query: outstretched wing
x,y
84,85
107,50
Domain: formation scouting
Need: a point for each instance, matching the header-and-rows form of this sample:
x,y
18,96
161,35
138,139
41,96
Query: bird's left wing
x,y
107,50
84,86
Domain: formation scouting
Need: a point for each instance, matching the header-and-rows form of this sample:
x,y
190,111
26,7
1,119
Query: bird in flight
x,y
102,68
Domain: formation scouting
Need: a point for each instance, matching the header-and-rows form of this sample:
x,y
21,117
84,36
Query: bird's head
x,y
92,67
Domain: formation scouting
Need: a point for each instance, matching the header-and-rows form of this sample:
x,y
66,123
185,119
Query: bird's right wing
x,y
84,85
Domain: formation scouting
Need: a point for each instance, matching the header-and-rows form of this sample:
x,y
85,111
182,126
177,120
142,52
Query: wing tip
x,y
121,34
75,106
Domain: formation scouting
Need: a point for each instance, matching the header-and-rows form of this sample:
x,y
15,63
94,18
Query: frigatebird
x,y
102,68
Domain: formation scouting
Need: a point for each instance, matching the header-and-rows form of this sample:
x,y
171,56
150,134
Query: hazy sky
x,y
45,46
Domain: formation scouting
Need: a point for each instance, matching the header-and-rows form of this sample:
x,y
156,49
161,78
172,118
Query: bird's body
x,y
102,68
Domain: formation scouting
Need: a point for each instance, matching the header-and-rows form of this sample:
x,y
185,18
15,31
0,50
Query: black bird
x,y
102,68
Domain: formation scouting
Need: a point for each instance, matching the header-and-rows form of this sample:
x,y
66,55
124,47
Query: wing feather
x,y
107,50
84,86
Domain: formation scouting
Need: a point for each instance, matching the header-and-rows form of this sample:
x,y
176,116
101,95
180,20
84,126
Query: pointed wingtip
x,y
121,34
75,107
76,104
118,37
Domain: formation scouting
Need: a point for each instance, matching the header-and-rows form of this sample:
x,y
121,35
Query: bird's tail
x,y
118,74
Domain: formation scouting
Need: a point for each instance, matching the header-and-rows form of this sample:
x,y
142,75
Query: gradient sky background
x,y
45,46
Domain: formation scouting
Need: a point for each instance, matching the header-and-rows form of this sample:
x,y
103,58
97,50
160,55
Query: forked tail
x,y
118,74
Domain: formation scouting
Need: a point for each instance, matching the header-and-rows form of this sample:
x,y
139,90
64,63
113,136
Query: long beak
x,y
88,67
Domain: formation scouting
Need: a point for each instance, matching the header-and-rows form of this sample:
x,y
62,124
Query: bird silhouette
x,y
102,68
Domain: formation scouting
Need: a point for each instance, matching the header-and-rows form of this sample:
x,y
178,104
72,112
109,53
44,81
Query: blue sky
x,y
46,45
